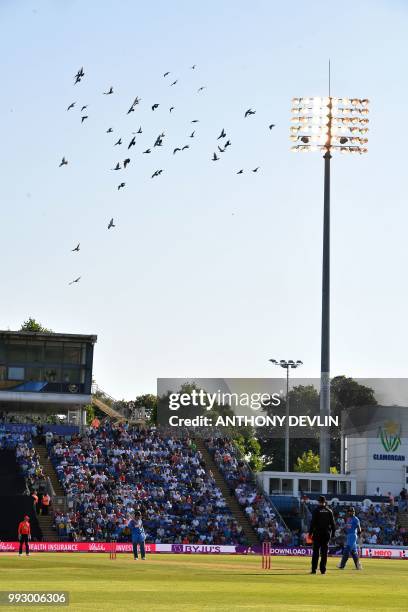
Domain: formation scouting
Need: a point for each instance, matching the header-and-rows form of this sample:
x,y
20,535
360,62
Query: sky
x,y
207,273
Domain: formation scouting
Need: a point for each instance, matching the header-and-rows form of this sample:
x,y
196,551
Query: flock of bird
x,y
225,141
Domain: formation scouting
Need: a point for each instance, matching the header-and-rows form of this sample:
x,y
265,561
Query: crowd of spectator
x,y
114,470
242,484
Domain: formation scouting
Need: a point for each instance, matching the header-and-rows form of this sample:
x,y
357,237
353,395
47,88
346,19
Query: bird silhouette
x,y
157,173
159,141
131,110
71,106
121,186
155,106
215,158
192,134
107,93
139,131
64,162
111,224
195,121
109,130
79,75
221,150
201,88
166,74
255,169
117,167
171,108
76,280
272,125
132,142
147,151
76,248
227,144
126,162
83,118
222,135
175,150
119,142
240,171
134,103
185,147
84,107
193,66
249,112
173,83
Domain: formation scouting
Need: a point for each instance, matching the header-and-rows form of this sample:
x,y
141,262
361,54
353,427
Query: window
x,y
71,376
344,487
34,374
2,352
316,486
52,375
17,351
72,353
35,352
332,487
287,486
3,371
53,352
304,485
16,373
274,486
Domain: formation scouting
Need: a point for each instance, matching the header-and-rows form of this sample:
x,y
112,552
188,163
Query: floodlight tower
x,y
328,125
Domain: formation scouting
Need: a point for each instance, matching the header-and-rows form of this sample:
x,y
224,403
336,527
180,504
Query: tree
x,y
308,462
31,325
250,449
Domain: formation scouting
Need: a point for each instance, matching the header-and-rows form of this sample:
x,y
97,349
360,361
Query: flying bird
x,y
117,167
159,141
157,173
249,112
193,66
185,147
166,74
227,144
111,224
126,162
121,186
272,125
83,118
64,162
76,248
155,106
173,83
84,107
71,106
76,280
139,131
132,142
222,135
171,108
215,158
131,110
201,88
119,142
255,169
79,75
147,151
240,171
175,150
192,134
221,150
109,130
195,121
107,93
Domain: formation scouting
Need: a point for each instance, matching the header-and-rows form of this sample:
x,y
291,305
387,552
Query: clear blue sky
x,y
207,273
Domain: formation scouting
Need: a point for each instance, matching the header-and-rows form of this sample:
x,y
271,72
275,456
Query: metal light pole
x,y
328,125
287,365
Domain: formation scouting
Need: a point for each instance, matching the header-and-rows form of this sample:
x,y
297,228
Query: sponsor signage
x,y
385,552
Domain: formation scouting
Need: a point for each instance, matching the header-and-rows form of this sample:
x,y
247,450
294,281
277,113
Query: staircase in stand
x,y
403,519
45,521
231,501
47,530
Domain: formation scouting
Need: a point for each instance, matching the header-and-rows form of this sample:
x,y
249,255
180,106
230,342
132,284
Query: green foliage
x,y
308,462
31,325
90,413
250,449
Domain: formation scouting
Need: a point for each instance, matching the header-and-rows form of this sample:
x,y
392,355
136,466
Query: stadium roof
x,y
49,335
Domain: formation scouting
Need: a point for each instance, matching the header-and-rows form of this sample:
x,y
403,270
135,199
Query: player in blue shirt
x,y
352,529
138,535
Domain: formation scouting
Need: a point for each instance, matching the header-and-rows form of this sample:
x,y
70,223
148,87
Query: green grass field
x,y
200,582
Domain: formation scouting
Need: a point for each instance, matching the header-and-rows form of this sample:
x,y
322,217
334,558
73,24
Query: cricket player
x,y
24,535
352,529
138,535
